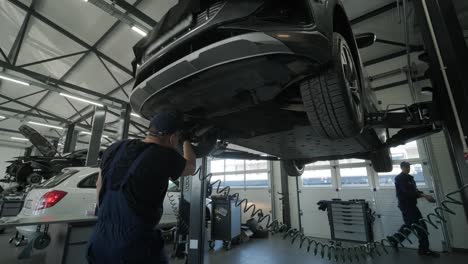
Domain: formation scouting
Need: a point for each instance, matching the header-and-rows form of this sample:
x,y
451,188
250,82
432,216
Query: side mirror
x,y
365,40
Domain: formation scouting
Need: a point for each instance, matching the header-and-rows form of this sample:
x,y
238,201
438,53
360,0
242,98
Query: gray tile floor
x,y
270,251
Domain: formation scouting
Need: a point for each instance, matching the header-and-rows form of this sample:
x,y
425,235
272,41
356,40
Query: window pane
x,y
354,177
348,161
217,166
256,179
318,163
234,165
256,164
408,151
317,178
235,180
387,178
215,178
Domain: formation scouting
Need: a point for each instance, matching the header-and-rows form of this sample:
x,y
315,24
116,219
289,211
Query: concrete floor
x,y
272,251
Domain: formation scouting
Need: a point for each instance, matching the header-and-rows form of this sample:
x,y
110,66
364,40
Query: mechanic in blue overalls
x,y
408,194
131,187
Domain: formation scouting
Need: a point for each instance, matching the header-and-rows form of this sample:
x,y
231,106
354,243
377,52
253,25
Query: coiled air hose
x,y
328,250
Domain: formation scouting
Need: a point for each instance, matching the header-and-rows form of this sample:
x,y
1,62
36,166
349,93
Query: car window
x,y
89,182
57,179
172,187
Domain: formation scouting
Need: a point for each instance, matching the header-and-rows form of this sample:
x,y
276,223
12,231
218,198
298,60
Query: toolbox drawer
x,y
349,227
347,213
347,206
350,235
354,219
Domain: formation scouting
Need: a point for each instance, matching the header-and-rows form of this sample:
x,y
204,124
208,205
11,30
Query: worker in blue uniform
x,y
408,194
131,187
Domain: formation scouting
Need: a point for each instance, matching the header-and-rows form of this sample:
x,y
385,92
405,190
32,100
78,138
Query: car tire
x,y
381,160
332,99
293,168
34,178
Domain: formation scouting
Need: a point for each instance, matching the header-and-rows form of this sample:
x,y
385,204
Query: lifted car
x,y
33,169
280,77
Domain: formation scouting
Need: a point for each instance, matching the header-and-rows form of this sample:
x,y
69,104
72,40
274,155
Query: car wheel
x,y
34,178
332,99
23,172
293,168
381,160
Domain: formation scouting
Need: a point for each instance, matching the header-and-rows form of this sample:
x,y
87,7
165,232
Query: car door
x,y
86,190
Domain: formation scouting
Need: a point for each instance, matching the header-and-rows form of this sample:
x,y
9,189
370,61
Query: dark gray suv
x,y
280,77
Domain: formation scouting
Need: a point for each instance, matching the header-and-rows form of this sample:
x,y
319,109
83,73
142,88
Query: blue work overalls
x,y
120,236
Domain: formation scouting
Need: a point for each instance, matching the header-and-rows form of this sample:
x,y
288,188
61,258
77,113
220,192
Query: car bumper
x,y
246,47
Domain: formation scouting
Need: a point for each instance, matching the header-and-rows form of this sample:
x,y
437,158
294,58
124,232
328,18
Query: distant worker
x,y
408,194
131,187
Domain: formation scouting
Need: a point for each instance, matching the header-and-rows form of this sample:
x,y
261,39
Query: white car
x,y
73,192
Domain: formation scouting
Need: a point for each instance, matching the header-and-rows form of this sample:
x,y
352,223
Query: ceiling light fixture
x,y
45,125
81,99
139,31
13,80
89,133
2,117
135,115
18,138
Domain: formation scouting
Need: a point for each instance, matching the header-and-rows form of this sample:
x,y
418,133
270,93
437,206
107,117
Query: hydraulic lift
x,y
447,55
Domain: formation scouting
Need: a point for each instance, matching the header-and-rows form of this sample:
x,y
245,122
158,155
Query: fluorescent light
x,y
89,133
139,31
13,80
18,138
135,115
45,125
82,100
2,117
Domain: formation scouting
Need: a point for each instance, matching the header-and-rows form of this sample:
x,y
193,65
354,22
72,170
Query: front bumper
x,y
223,57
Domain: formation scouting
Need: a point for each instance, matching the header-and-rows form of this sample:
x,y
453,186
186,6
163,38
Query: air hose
x,y
333,251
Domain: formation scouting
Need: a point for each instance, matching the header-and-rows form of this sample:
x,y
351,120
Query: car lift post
x,y
448,53
96,136
197,232
124,123
70,139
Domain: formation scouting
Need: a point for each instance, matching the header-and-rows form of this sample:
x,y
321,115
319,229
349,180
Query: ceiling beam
x,y
15,49
70,35
16,111
392,56
136,12
22,97
16,101
4,56
52,81
109,93
53,59
398,83
374,13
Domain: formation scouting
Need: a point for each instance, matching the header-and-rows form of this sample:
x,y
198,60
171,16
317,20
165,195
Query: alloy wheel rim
x,y
351,78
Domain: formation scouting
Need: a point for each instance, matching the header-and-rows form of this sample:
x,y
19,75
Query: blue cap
x,y
165,123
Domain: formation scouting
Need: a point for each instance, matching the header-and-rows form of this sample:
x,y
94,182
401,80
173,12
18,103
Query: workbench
x,y
68,237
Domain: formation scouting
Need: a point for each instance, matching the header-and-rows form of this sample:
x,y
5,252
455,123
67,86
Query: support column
x,y
285,197
70,139
96,136
196,243
124,123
